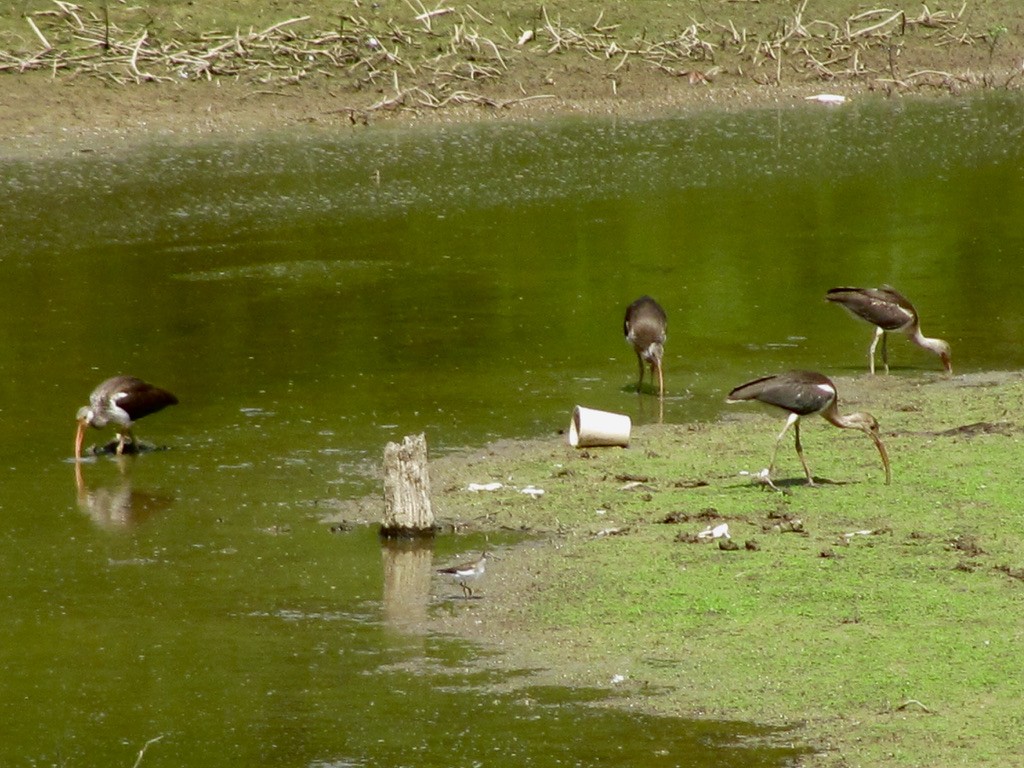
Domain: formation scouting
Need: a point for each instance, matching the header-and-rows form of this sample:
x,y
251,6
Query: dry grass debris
x,y
454,54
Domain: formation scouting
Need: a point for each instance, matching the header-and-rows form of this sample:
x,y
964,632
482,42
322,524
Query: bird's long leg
x,y
885,350
466,591
124,437
879,333
793,419
800,453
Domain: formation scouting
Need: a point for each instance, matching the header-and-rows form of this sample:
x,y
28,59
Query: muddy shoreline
x,y
97,76
816,626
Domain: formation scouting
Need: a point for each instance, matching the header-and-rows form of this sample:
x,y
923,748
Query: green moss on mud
x,y
899,647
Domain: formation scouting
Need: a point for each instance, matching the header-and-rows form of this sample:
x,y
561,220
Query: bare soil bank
x,y
101,74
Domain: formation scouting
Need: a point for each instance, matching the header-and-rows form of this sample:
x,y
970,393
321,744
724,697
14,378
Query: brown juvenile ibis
x,y
803,393
120,401
463,573
645,326
888,310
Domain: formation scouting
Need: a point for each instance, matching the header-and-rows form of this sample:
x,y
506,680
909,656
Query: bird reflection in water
x,y
118,504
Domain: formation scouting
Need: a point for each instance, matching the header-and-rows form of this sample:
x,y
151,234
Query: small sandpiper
x,y
466,572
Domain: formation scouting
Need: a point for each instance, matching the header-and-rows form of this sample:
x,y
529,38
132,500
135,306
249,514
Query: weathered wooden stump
x,y
407,510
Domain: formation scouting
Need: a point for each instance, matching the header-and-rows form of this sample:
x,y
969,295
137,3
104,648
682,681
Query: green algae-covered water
x,y
309,298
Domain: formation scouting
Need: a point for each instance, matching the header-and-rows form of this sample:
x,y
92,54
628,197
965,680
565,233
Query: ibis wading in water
x,y
120,401
644,327
888,310
804,393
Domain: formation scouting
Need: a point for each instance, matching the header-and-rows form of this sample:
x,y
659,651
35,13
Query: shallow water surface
x,y
310,298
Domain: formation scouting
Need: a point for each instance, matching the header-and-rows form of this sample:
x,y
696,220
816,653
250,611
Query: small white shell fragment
x,y
826,98
718,532
616,679
476,487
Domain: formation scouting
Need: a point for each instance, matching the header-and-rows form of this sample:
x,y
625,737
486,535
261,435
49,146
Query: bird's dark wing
x,y
896,298
799,392
884,307
139,398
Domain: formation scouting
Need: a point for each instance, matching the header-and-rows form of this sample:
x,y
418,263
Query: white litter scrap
x,y
533,492
762,478
477,487
826,98
849,536
526,37
718,532
636,485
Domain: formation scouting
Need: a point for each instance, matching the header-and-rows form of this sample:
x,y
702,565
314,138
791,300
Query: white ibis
x,y
645,326
803,393
888,310
463,573
120,401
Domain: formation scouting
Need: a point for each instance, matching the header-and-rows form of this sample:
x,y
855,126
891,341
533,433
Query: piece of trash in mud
x,y
764,478
848,537
857,533
590,427
760,478
533,492
826,98
717,532
633,485
616,679
475,487
526,37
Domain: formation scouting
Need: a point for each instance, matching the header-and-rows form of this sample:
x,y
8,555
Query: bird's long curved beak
x,y
80,482
884,454
79,439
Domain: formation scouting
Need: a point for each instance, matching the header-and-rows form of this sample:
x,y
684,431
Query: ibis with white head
x,y
804,393
120,401
889,311
645,328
